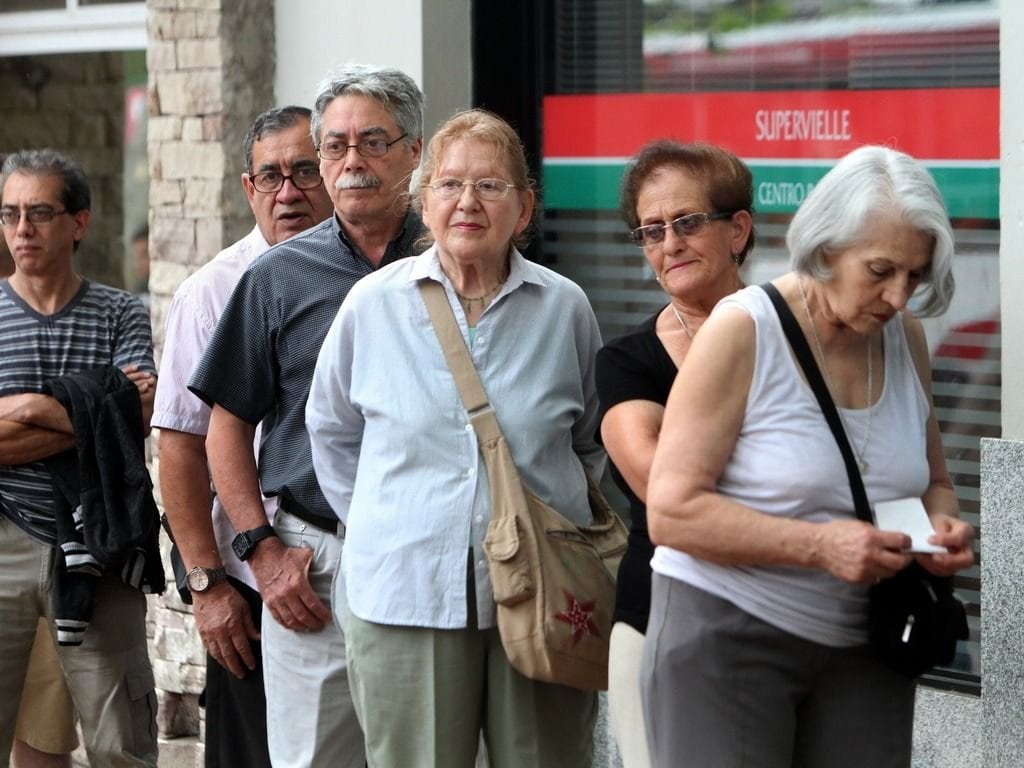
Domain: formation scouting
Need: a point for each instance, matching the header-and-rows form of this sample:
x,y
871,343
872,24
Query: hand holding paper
x,y
907,516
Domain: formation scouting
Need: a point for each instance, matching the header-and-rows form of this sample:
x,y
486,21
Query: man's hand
x,y
282,573
144,380
226,627
146,383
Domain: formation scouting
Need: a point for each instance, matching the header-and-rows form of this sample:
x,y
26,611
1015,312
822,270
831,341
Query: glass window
x,y
49,5
789,87
42,27
7,6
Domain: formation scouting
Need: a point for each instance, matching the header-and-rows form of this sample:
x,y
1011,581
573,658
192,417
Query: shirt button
x,y
481,563
469,427
479,340
479,518
470,472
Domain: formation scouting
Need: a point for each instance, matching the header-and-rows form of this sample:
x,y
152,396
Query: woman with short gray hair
x,y
756,648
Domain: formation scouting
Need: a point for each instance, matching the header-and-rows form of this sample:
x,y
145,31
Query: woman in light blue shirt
x,y
398,460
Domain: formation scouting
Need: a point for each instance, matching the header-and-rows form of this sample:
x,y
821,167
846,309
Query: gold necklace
x,y
682,320
861,461
484,299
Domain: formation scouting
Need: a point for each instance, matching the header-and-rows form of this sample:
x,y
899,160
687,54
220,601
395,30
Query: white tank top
x,y
786,463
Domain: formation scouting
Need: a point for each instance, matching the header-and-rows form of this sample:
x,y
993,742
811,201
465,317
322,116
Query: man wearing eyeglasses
x,y
367,125
286,194
53,323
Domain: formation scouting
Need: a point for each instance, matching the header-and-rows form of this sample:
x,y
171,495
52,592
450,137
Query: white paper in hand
x,y
907,516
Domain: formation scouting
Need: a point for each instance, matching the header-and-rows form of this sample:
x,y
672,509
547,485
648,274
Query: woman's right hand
x,y
859,553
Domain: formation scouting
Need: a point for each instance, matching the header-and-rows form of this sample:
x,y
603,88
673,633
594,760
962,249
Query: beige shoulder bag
x,y
554,581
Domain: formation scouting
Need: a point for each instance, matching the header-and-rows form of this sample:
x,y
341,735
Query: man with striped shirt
x,y
54,322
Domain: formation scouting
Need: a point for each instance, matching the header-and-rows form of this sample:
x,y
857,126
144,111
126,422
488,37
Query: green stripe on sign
x,y
587,187
971,193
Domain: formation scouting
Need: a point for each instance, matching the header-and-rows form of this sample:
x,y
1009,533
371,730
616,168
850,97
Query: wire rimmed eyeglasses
x,y
303,178
448,188
371,146
684,226
10,217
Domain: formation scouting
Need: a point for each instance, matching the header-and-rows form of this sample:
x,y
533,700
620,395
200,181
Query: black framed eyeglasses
x,y
448,188
307,177
371,146
42,214
685,226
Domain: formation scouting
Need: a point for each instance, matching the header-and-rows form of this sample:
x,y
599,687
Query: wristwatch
x,y
200,579
244,543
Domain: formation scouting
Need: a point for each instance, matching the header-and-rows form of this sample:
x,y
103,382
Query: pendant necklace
x,y
862,463
682,320
483,298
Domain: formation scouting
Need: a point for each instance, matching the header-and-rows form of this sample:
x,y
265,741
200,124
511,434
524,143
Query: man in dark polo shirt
x,y
367,127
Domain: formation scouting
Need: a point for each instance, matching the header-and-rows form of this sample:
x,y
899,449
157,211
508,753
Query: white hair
x,y
869,181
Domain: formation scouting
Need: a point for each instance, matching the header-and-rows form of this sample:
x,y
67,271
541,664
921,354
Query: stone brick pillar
x,y
211,71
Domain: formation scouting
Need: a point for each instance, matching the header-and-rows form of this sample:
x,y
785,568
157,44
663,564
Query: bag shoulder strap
x,y
456,354
798,342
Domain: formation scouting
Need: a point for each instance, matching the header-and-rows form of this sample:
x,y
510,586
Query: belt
x,y
293,508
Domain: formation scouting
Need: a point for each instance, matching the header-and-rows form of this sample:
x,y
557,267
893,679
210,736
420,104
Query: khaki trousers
x,y
46,716
423,696
109,675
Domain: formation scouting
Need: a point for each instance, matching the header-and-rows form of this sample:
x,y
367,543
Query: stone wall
x,y
210,73
74,103
211,67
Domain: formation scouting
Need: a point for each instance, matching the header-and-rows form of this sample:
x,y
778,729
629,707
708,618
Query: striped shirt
x,y
99,326
260,361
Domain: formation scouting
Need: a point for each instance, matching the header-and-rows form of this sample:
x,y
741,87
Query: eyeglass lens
x,y
486,189
373,146
684,226
10,217
302,178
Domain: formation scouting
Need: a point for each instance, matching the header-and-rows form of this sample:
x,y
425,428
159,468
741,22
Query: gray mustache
x,y
357,181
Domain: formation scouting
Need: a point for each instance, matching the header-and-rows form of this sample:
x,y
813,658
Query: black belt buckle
x,y
295,509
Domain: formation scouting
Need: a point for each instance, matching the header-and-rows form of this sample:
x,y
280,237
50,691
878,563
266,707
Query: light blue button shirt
x,y
394,451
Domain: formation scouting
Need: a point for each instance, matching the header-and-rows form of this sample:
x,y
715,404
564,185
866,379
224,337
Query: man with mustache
x,y
286,193
367,126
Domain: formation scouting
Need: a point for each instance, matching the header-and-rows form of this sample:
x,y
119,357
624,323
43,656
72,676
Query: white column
x,y
1011,203
427,39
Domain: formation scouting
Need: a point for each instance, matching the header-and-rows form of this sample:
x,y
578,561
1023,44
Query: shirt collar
x,y
400,245
428,264
255,241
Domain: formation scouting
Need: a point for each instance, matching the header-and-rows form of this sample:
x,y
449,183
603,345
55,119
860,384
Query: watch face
x,y
198,580
240,544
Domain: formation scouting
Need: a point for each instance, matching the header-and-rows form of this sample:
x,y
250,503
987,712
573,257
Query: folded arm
x,y
146,382
32,427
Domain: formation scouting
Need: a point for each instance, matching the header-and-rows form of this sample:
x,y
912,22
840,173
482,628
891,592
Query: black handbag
x,y
914,618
